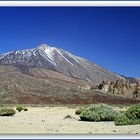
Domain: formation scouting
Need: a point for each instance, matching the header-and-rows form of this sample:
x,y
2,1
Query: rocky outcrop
x,y
121,87
84,87
137,92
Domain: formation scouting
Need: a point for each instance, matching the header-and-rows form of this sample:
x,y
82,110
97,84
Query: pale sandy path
x,y
51,120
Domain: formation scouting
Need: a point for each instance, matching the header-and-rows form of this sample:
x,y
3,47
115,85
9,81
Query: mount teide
x,y
48,75
60,61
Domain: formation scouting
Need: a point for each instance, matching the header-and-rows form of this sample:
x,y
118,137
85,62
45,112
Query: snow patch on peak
x,y
63,56
48,53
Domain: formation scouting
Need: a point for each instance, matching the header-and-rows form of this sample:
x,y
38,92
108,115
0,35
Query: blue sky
x,y
108,36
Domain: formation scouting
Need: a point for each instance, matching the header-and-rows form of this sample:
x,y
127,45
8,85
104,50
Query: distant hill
x,y
133,80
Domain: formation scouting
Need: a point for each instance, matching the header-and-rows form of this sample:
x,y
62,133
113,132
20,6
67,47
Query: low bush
x,y
122,120
135,122
130,117
19,108
99,112
7,112
88,115
133,112
79,110
105,112
25,109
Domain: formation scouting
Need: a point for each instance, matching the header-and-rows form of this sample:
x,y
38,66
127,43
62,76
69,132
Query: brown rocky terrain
x,y
26,85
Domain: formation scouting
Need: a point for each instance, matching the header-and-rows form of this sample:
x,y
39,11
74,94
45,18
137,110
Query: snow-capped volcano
x,y
49,53
58,60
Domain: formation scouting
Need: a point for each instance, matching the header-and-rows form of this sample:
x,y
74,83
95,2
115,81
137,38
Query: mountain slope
x,y
26,85
60,61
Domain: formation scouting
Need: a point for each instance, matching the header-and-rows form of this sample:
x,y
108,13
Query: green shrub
x,y
97,107
88,115
130,117
25,109
105,113
19,108
7,112
122,120
133,112
135,122
79,110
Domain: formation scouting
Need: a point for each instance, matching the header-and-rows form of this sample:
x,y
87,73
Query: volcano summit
x,y
60,61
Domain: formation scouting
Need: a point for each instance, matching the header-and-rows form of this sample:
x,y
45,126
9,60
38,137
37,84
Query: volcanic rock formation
x,y
121,87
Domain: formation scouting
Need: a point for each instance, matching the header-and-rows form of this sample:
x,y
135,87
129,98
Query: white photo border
x,y
69,4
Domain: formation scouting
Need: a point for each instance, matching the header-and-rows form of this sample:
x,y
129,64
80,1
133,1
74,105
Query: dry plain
x,y
51,120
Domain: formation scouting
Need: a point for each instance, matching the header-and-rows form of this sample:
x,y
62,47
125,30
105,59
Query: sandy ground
x,y
50,120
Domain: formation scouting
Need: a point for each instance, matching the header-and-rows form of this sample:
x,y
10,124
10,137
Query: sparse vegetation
x,y
19,108
98,112
7,112
73,89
